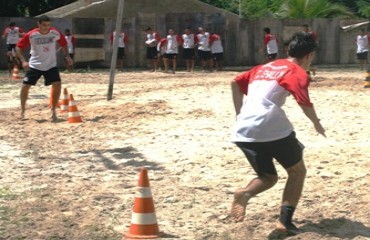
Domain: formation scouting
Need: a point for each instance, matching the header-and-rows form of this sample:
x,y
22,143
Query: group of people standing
x,y
207,46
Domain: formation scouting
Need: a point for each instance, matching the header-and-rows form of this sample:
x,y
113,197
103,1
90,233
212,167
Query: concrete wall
x,y
241,38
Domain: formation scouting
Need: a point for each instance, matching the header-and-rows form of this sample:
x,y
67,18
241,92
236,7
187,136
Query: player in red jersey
x,y
43,62
263,131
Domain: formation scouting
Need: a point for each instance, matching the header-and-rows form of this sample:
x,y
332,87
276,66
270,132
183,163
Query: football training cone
x,y
73,113
15,73
144,221
51,98
64,102
367,80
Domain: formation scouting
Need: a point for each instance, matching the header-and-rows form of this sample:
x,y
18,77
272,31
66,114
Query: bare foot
x,y
239,204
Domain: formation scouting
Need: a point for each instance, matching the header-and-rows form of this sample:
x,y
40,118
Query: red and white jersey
x,y
161,46
152,39
271,42
122,39
216,44
266,87
203,41
71,43
172,44
189,40
12,34
362,42
43,47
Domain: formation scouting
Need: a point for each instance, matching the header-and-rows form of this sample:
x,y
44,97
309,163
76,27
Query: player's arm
x,y
20,54
237,95
311,114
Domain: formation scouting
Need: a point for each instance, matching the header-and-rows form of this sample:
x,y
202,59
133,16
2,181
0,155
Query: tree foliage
x,y
271,8
313,9
29,8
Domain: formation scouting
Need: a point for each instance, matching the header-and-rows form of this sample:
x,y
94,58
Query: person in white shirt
x,y
270,44
263,131
189,43
362,41
43,62
71,45
217,51
122,48
204,49
12,34
171,50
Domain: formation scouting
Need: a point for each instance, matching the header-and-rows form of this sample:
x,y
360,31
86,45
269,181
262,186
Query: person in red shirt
x,y
43,62
263,131
122,48
12,34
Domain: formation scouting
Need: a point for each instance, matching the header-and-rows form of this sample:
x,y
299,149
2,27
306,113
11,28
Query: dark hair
x,y
301,44
67,30
305,25
12,24
267,30
148,29
43,18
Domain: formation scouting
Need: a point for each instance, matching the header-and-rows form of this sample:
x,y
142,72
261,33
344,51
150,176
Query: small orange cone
x,y
65,102
51,98
15,73
73,114
144,221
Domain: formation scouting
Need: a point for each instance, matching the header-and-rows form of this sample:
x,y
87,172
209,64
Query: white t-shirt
x,y
43,48
12,34
188,40
216,46
271,44
261,117
203,41
362,43
172,44
70,43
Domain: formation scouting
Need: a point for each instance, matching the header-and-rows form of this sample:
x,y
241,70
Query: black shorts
x,y
151,52
188,53
11,47
362,56
170,55
287,151
50,76
218,56
121,53
72,55
204,55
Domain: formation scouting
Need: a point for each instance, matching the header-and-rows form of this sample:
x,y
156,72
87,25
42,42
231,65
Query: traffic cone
x,y
144,221
73,114
15,73
367,80
65,102
51,98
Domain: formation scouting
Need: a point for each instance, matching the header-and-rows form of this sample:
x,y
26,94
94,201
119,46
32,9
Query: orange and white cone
x,y
15,73
64,105
73,113
51,98
144,221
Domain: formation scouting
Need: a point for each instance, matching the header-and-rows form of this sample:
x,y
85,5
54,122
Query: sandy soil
x,y
78,180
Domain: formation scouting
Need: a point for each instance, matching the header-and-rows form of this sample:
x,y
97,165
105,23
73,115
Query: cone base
x,y
129,236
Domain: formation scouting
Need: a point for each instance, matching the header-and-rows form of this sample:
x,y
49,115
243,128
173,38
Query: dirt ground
x,y
78,180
